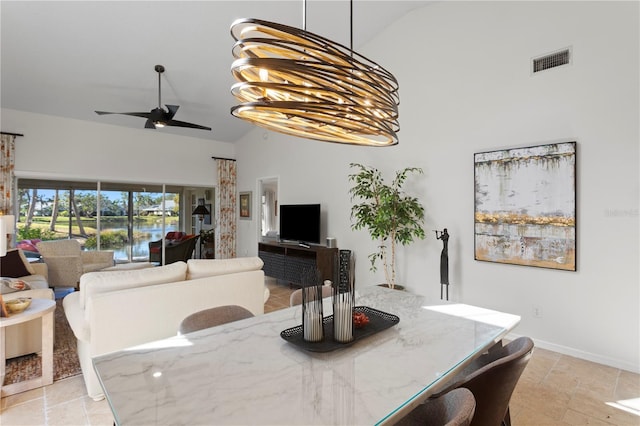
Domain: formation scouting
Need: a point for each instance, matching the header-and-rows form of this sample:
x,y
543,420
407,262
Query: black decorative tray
x,y
378,321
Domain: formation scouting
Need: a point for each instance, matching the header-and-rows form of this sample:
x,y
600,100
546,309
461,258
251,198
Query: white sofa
x,y
117,309
26,338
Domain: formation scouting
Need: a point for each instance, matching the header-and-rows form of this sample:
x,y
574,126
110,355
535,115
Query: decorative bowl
x,y
15,306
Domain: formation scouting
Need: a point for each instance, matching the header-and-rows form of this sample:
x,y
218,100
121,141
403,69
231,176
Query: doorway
x,y
268,208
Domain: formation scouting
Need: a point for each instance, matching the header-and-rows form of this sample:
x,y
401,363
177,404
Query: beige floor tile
x,y
526,416
598,409
545,400
26,414
67,413
65,390
21,398
579,419
628,386
98,412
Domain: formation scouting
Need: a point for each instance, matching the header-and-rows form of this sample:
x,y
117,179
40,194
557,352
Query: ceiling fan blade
x,y
158,117
178,123
172,111
135,114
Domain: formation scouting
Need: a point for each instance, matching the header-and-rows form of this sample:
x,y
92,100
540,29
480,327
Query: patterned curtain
x,y
226,209
7,164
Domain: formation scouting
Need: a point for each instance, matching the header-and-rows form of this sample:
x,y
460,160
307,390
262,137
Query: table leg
x,y
47,349
3,360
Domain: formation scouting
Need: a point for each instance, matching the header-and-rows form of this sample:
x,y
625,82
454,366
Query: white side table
x,y
39,308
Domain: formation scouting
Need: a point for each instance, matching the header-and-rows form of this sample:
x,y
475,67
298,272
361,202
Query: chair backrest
x,y
495,378
213,317
181,251
59,248
454,408
296,296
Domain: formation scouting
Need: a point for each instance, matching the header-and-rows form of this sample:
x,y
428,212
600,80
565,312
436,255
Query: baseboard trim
x,y
565,350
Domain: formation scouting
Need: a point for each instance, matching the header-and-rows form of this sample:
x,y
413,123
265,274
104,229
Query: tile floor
x,y
555,389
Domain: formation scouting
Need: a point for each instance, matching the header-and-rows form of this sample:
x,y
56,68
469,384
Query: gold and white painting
x,y
525,206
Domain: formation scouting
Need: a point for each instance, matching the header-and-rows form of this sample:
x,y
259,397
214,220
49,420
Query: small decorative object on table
x,y
344,300
15,306
312,321
376,322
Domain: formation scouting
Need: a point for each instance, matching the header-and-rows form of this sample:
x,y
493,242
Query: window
x,y
101,215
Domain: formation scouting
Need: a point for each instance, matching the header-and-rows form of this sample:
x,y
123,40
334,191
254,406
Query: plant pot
x,y
395,287
209,250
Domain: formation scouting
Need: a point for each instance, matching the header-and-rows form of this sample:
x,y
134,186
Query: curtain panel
x,y
226,209
7,165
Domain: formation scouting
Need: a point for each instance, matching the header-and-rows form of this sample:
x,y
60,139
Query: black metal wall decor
x,y
444,263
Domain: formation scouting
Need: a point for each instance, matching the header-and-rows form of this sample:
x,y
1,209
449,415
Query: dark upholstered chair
x,y
175,249
492,377
454,408
213,317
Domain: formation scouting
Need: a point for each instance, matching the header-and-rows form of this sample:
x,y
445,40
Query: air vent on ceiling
x,y
551,60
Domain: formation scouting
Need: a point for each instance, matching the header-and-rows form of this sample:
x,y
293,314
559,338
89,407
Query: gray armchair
x,y
67,261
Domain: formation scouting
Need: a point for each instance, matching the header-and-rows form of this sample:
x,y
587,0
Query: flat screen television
x,y
300,223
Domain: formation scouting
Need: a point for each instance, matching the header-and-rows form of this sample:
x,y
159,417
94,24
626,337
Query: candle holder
x,y
312,319
344,299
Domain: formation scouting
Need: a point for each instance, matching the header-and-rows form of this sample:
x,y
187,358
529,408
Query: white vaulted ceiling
x,y
70,58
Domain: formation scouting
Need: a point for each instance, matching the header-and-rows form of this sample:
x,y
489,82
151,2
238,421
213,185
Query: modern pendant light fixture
x,y
302,84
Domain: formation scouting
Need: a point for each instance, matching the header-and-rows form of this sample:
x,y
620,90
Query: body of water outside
x,y
143,233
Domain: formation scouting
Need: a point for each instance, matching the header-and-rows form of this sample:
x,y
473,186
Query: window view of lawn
x,y
47,214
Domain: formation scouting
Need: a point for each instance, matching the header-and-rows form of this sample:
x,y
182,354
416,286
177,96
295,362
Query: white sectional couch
x,y
26,338
117,309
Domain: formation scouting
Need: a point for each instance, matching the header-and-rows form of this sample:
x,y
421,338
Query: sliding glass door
x,y
100,215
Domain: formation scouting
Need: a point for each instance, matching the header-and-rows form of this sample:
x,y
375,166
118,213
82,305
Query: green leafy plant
x,y
108,240
208,235
391,216
30,233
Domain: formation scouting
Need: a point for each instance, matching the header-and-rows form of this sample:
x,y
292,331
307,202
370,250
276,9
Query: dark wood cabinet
x,y
288,262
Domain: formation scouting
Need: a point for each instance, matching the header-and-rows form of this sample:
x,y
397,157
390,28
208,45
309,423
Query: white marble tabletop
x,y
245,373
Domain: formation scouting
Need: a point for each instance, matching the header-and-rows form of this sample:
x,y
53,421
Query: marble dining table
x,y
244,373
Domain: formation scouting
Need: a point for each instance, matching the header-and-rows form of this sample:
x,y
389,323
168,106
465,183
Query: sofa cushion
x,y
15,264
199,268
105,281
36,281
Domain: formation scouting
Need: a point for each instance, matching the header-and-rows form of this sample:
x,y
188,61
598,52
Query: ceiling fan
x,y
159,117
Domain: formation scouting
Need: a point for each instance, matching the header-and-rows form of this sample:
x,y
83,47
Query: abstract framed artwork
x,y
245,205
525,206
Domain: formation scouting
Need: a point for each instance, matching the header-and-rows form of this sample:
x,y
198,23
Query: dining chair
x,y
454,408
212,317
296,296
491,378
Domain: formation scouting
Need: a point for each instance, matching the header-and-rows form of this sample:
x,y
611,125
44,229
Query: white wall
x,y
60,148
466,87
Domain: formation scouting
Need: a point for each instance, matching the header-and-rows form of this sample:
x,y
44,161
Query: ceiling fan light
x,y
159,124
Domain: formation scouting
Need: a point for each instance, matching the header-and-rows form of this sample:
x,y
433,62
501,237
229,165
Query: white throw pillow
x,y
199,268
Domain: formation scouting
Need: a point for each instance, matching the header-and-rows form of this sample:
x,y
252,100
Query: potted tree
x,y
391,216
208,237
